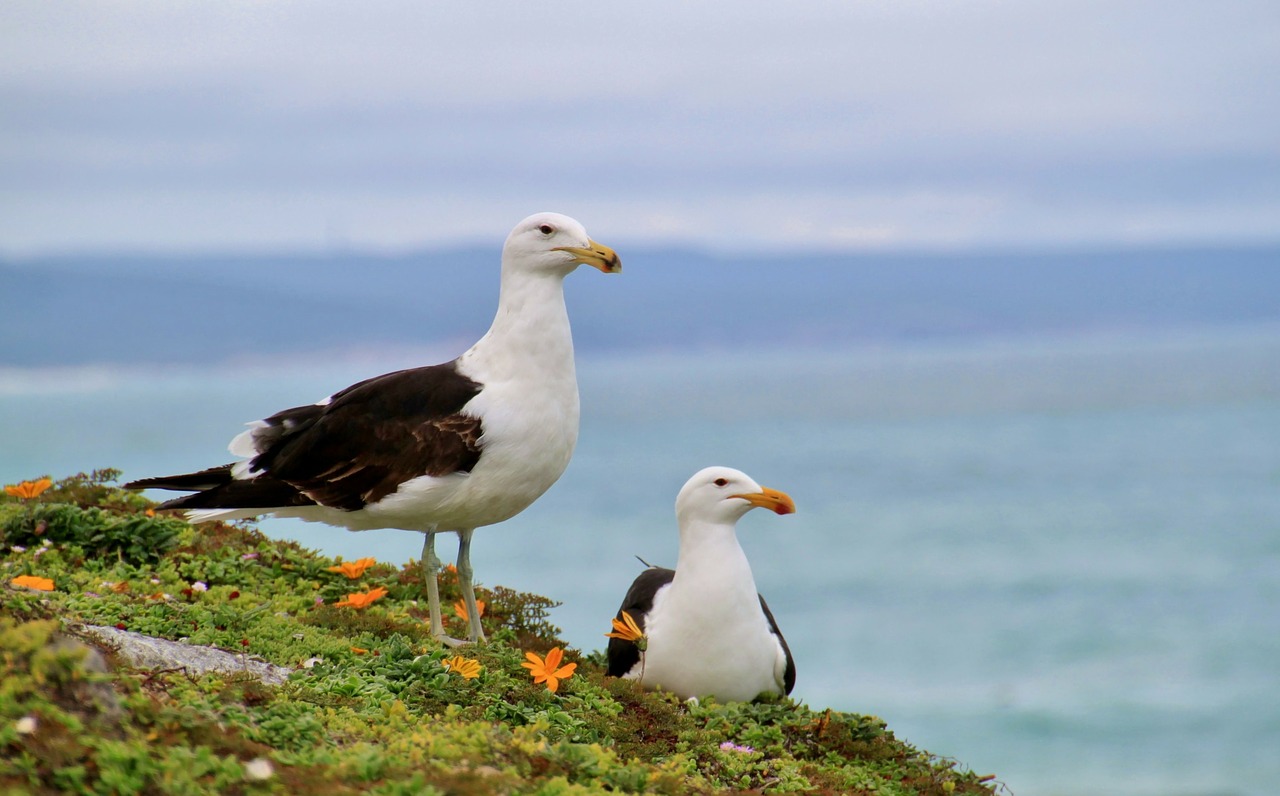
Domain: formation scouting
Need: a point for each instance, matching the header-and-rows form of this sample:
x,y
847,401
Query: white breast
x,y
699,647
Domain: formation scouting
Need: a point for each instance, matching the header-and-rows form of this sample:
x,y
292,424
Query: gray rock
x,y
89,691
147,652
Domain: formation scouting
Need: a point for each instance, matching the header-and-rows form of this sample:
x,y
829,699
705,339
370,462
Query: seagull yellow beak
x,y
597,255
779,502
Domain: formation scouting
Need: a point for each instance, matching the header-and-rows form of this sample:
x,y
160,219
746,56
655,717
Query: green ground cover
x,y
374,705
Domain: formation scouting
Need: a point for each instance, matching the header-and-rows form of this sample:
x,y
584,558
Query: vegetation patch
x,y
375,705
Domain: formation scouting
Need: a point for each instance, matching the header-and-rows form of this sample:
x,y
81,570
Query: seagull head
x,y
556,244
721,495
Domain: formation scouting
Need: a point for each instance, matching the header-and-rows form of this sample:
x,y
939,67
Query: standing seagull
x,y
445,448
707,632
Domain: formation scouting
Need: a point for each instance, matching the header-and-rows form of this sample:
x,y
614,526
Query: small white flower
x,y
25,725
199,586
18,548
259,768
46,543
155,581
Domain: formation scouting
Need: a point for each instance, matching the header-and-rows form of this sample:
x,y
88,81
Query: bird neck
x,y
711,557
531,325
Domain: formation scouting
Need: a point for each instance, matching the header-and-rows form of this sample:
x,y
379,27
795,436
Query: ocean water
x,y
1057,561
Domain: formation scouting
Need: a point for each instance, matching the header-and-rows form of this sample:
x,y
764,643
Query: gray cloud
x,y
843,123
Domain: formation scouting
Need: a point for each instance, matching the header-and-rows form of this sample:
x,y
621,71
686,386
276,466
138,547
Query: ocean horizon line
x,y
94,376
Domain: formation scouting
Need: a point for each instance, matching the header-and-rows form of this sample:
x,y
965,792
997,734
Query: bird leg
x,y
476,633
430,571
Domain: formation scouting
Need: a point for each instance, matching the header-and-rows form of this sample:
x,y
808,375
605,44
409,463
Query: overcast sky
x,y
236,125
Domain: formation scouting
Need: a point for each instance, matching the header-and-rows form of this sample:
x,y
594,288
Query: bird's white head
x,y
721,495
552,243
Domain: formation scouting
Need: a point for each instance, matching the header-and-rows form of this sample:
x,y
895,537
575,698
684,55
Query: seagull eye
x,y
546,229
721,481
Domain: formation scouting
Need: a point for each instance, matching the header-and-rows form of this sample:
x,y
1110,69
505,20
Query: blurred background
x,y
991,288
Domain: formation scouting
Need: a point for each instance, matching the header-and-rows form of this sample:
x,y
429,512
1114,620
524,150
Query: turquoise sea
x,y
1055,560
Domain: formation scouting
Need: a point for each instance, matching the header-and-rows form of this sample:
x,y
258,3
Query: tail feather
x,y
217,488
205,479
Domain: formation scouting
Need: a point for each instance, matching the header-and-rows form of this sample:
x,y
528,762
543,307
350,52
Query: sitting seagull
x,y
445,448
707,632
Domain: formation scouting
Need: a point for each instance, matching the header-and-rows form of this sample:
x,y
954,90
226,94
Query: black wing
x,y
623,655
354,450
789,676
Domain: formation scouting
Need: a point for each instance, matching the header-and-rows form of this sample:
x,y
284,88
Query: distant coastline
x,y
86,309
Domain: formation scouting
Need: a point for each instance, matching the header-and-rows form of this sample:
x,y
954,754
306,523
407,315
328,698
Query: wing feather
x,y
785,669
352,450
623,655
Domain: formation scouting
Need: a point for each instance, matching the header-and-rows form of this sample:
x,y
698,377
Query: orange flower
x,y
363,599
627,630
121,587
460,608
353,569
33,582
29,489
359,650
464,667
549,671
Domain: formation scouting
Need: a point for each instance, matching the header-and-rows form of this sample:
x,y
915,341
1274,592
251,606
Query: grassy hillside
x,y
374,704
